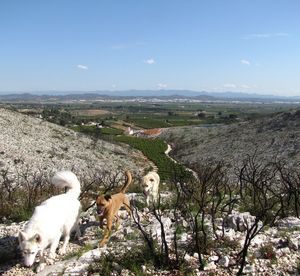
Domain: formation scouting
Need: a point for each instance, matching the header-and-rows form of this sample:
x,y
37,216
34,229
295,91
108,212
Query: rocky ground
x,y
32,144
273,137
83,256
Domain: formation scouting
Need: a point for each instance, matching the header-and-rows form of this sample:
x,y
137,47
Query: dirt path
x,y
167,153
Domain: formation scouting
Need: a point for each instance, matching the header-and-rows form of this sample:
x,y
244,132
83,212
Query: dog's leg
x,y
148,200
118,222
101,218
42,263
107,232
154,199
77,231
62,250
40,267
53,247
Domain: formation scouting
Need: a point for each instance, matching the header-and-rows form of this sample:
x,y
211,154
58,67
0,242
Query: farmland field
x,y
90,112
155,149
109,120
121,114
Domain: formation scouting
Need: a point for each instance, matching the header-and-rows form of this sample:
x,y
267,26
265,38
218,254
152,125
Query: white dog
x,y
150,187
55,217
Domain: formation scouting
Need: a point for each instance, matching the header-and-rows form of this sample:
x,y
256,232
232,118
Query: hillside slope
x,y
276,136
33,144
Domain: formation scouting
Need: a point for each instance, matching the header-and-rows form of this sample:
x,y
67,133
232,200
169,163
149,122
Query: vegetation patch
x,y
79,252
93,130
155,149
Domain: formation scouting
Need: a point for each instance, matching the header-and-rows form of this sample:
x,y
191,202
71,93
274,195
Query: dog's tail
x,y
67,179
129,179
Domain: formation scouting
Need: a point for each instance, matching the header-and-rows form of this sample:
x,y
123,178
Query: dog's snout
x,y
100,210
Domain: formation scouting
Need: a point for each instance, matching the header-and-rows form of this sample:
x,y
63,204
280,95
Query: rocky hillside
x,y
274,251
276,136
32,144
168,239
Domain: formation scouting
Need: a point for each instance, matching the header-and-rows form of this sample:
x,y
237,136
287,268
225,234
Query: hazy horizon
x,y
153,92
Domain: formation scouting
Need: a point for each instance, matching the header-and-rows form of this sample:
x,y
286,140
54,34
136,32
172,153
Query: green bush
x,y
131,260
267,251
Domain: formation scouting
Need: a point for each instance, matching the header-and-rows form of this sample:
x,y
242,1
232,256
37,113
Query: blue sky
x,y
213,45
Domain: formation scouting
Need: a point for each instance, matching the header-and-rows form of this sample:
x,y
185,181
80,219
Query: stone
x,y
230,233
257,254
288,222
213,258
196,255
92,218
259,240
224,261
128,230
116,267
248,269
187,257
185,223
77,269
184,237
283,252
210,266
294,243
239,221
92,255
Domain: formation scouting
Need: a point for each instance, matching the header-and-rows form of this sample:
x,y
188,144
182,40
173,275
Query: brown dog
x,y
108,207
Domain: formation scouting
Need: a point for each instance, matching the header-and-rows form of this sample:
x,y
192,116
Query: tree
x,y
258,189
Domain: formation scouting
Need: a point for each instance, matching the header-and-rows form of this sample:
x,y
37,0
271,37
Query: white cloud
x,y
245,62
150,61
237,87
265,35
229,85
245,86
162,85
282,34
113,86
83,67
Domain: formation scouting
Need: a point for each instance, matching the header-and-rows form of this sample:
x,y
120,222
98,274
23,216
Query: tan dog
x,y
150,185
108,207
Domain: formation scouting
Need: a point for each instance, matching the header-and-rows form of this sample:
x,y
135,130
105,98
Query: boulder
x,y
289,222
239,221
224,261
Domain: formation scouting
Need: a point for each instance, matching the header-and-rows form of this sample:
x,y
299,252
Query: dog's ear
x,y
38,238
22,236
107,197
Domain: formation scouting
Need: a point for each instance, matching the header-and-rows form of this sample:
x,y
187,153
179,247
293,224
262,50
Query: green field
x,y
93,130
155,149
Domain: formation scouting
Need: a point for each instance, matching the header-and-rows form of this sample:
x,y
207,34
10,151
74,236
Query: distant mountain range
x,y
163,94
